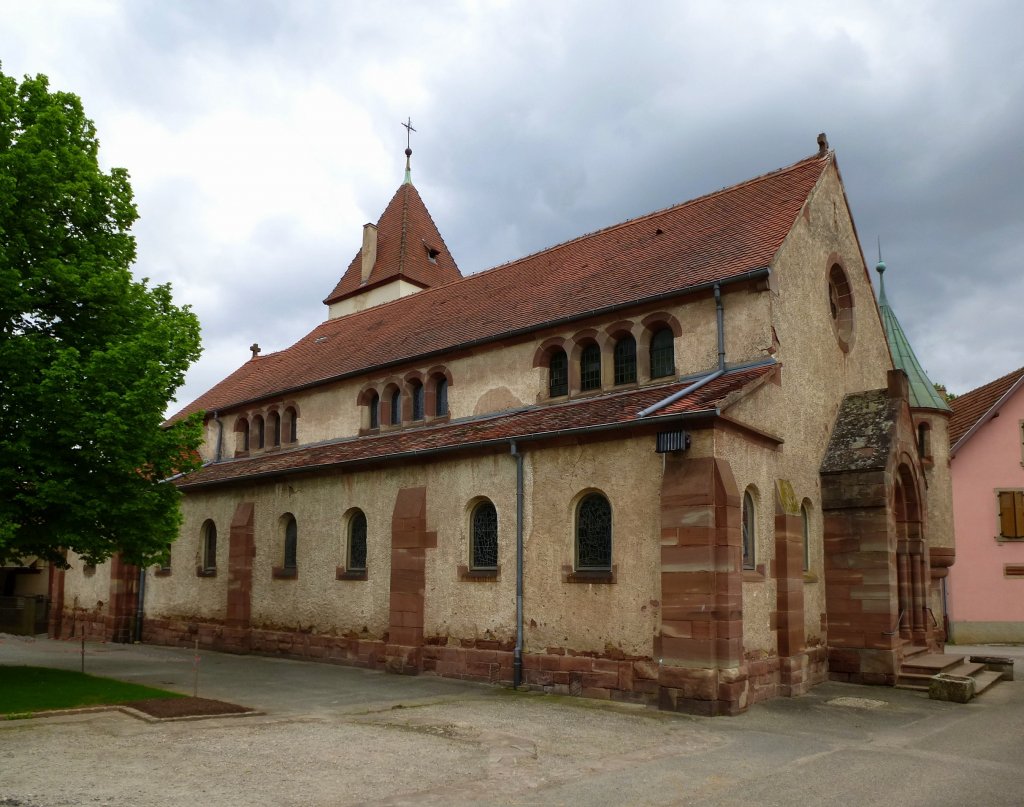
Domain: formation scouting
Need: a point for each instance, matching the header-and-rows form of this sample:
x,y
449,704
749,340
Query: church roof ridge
x,y
720,236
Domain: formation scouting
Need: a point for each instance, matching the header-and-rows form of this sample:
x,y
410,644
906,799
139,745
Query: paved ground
x,y
337,736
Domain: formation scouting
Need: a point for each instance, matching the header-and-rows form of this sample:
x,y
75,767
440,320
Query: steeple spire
x,y
923,394
408,150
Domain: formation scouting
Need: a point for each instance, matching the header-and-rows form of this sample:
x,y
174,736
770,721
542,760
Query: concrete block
x,y
955,688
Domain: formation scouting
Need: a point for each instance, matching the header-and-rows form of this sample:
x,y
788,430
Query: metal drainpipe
x,y
142,600
220,433
720,315
517,658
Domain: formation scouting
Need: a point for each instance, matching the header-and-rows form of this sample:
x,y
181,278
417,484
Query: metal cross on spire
x,y
408,149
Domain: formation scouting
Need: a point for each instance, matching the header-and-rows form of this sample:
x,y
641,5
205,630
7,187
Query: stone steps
x,y
920,667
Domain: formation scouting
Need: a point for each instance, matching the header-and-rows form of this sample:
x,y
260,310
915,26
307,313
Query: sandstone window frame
x,y
590,364
261,431
274,427
241,436
924,440
288,527
624,362
208,549
662,353
840,302
748,529
356,546
290,423
395,407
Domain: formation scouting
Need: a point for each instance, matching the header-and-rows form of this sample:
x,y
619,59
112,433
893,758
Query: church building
x,y
672,461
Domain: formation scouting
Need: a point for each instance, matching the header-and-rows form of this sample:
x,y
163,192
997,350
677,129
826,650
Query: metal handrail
x,y
935,622
895,630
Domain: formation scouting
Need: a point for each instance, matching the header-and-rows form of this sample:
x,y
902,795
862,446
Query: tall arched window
x,y
484,537
594,533
209,535
416,390
356,560
241,436
396,407
558,374
291,422
625,360
274,421
258,424
590,367
663,357
375,411
805,516
291,544
749,537
441,397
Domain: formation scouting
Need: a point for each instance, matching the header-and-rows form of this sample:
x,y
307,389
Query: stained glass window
x,y
625,360
357,541
558,374
594,533
590,367
663,358
748,531
209,546
291,544
485,536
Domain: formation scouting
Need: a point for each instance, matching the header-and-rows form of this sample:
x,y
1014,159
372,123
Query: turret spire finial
x,y
408,149
880,268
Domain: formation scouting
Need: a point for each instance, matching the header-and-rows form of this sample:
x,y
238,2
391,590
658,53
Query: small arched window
x,y
594,533
209,535
663,357
291,422
558,374
274,421
441,397
241,436
258,424
484,537
590,367
356,560
924,440
749,521
396,407
416,391
375,411
291,544
625,360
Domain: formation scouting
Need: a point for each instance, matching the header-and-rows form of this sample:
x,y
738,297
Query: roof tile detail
x,y
972,406
609,411
714,237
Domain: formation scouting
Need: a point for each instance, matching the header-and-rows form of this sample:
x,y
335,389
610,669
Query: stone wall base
x,y
871,666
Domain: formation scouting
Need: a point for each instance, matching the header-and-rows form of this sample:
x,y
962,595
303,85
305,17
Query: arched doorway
x,y
911,561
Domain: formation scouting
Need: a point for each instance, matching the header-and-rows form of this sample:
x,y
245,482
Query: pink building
x,y
986,435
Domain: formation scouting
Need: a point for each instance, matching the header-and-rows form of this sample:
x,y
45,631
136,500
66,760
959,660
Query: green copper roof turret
x,y
923,394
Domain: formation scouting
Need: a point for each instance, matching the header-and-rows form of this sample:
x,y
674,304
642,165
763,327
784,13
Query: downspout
x,y
517,658
142,600
700,382
220,434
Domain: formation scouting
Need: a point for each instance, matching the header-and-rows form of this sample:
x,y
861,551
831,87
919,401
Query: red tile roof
x,y
405,233
609,411
972,406
711,238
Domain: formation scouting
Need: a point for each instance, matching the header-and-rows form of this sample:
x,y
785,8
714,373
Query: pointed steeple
x,y
923,394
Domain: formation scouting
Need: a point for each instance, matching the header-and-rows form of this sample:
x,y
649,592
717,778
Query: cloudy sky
x,y
260,136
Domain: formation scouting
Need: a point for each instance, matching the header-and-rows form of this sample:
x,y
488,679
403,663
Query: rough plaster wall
x,y
182,594
86,591
940,483
594,617
470,609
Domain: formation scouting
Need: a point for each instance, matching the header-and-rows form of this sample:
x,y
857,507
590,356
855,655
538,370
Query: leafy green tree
x,y
89,357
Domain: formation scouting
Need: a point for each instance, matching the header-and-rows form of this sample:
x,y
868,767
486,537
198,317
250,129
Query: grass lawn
x,y
37,689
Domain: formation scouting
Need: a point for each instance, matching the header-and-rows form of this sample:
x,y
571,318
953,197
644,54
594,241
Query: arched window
x,y
805,516
274,421
441,397
625,360
416,391
356,560
291,422
209,533
663,357
749,521
594,533
291,544
590,367
840,305
396,407
257,423
924,440
484,537
375,411
241,436
558,374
